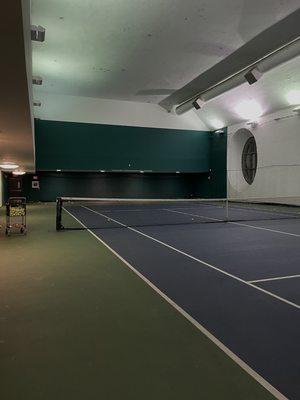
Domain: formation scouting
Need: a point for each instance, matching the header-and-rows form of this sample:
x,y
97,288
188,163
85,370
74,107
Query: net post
x,y
227,209
59,225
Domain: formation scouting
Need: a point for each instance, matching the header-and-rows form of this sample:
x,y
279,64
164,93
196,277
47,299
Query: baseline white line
x,y
196,259
278,395
236,223
278,278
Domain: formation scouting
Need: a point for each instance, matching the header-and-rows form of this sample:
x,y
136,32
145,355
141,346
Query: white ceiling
x,y
116,49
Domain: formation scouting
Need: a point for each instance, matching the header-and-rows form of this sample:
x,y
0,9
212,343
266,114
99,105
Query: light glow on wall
x,y
293,97
217,123
249,109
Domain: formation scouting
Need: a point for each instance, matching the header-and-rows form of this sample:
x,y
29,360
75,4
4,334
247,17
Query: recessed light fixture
x,y
58,170
249,109
293,97
102,170
142,172
19,173
8,166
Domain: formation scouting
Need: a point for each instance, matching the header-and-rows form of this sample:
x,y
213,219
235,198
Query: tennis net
x,y
98,213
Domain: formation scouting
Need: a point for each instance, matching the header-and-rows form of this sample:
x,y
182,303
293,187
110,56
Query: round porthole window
x,y
249,160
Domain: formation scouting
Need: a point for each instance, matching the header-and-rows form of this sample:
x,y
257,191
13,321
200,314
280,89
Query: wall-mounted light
x,y
198,103
9,166
142,172
252,124
102,170
221,131
58,170
38,33
249,109
253,76
177,172
37,80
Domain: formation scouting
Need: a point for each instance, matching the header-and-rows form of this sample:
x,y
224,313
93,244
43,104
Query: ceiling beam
x,y
285,31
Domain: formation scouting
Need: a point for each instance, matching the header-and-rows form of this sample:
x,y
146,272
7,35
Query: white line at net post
x,y
227,209
227,186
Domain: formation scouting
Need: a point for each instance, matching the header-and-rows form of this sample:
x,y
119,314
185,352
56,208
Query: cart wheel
x,y
7,232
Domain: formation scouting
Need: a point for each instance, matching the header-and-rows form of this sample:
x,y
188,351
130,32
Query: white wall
x,y
113,112
278,147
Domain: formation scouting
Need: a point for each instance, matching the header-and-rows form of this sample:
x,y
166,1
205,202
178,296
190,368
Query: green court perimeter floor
x,y
77,323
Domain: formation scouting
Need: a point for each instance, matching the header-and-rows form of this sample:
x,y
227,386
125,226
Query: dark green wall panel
x,y
81,146
218,164
87,147
129,185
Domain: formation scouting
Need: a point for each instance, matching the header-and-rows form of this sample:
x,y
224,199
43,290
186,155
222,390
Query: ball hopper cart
x,y
16,215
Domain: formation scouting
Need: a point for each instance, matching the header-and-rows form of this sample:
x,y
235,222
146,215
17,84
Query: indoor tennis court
x,y
150,200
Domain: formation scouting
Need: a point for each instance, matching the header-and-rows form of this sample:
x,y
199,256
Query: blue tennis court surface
x,y
238,280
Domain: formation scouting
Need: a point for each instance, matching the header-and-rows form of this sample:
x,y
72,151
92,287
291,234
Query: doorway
x,y
15,186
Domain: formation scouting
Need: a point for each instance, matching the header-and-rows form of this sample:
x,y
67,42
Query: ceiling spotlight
x,y
8,166
38,33
293,97
37,80
249,109
198,103
19,173
253,76
37,103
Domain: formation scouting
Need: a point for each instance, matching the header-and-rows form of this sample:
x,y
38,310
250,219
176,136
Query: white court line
x,y
236,223
241,208
130,209
200,327
196,259
278,278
